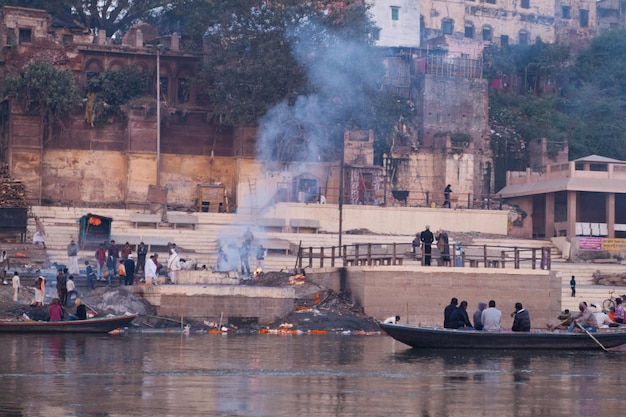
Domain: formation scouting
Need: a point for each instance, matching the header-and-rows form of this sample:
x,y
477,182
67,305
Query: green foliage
x,y
115,88
42,89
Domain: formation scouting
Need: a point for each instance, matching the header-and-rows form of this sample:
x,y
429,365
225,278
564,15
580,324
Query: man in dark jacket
x,y
427,238
459,318
447,312
521,319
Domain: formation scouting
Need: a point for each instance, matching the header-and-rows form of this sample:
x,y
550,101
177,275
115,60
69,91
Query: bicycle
x,y
610,302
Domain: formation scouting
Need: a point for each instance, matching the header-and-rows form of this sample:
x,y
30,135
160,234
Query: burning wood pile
x,y
12,193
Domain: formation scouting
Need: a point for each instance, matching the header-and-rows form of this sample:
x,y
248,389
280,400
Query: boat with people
x,y
91,325
440,338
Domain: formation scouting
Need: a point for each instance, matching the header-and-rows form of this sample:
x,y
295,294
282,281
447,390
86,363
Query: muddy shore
x,y
315,308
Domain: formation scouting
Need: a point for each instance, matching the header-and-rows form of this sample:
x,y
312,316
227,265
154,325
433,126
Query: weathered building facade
x,y
115,162
504,22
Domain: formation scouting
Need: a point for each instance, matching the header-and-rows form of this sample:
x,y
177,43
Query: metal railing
x,y
473,256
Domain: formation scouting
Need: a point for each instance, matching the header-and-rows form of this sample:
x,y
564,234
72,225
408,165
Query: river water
x,y
306,375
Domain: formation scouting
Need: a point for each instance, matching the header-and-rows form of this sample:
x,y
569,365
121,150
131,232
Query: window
x,y
395,13
504,40
25,35
584,18
491,1
10,37
164,81
184,88
523,37
68,39
567,12
447,27
525,4
487,33
469,31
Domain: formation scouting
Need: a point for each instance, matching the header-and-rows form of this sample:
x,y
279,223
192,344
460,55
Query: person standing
x,y
112,260
491,317
90,275
142,251
572,284
40,291
62,287
126,250
129,268
39,238
427,238
173,265
443,244
244,253
446,195
619,311
4,266
521,319
72,254
16,286
447,312
71,290
150,271
101,259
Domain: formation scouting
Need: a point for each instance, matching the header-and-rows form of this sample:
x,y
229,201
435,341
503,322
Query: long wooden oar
x,y
591,336
553,328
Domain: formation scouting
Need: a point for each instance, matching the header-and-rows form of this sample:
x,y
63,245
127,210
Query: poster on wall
x,y
589,243
614,245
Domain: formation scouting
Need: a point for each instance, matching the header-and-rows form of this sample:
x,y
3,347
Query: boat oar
x,y
553,328
591,336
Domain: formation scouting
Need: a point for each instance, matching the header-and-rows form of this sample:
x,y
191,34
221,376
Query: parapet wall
x,y
419,295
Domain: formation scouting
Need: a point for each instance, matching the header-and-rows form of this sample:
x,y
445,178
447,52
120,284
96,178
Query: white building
x,y
398,22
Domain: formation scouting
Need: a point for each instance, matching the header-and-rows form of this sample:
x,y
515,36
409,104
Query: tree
x,y
43,89
106,15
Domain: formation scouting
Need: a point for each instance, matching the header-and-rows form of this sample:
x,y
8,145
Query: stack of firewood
x,y
12,193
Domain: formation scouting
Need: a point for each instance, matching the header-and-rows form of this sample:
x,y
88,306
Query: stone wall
x,y
419,295
210,302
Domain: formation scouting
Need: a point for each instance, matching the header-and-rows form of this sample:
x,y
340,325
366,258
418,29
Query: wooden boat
x,y
94,325
440,338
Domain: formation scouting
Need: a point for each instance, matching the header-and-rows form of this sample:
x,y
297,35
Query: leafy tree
x,y
43,89
107,15
115,88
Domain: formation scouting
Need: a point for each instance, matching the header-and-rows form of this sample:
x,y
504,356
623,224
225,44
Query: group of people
x,y
486,317
111,262
590,320
57,313
426,239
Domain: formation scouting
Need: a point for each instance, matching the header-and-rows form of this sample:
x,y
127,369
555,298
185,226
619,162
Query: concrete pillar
x,y
549,213
571,213
175,42
610,214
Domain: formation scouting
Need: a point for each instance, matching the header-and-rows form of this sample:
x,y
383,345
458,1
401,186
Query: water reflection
x,y
243,375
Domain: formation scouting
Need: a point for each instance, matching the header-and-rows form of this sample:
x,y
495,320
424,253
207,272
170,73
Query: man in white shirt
x,y
150,271
491,317
173,265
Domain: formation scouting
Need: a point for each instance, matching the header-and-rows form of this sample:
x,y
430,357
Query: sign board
x,y
590,243
614,245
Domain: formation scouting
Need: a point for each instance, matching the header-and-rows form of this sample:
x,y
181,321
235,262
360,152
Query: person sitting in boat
x,y
392,320
602,318
81,311
459,318
619,311
55,311
478,324
447,312
584,318
491,318
521,319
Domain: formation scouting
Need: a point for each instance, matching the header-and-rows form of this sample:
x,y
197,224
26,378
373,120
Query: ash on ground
x,y
316,307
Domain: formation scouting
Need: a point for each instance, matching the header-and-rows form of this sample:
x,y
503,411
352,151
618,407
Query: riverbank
x,y
315,308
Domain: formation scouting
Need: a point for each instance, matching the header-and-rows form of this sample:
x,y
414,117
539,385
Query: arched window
x,y
469,30
487,33
524,37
